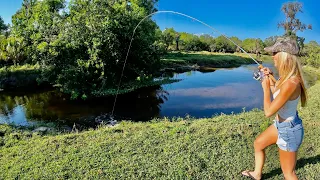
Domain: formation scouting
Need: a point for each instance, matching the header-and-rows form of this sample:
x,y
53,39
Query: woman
x,y
287,131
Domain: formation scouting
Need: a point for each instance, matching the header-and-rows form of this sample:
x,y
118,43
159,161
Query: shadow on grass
x,y
300,164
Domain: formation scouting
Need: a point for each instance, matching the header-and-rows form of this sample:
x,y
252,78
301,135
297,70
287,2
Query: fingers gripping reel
x,y
259,75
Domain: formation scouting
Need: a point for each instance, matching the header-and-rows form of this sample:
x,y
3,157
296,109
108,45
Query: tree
x,y
177,41
38,24
253,45
312,54
14,49
191,42
238,42
93,46
168,37
222,44
313,43
300,41
159,43
3,45
308,48
292,24
185,40
3,27
82,50
270,41
194,44
207,40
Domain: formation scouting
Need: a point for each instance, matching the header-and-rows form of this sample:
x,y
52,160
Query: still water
x,y
198,94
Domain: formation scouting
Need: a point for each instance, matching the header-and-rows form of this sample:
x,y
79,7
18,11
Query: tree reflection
x,y
207,69
141,105
17,107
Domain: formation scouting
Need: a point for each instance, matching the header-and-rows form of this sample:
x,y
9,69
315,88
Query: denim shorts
x,y
290,134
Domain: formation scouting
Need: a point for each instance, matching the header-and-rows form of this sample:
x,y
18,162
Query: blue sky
x,y
244,19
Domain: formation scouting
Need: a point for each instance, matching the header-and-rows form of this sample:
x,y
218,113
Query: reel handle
x,y
270,76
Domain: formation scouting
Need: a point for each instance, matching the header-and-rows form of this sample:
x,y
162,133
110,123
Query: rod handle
x,y
270,76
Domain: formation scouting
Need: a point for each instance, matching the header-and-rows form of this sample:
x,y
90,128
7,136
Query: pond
x,y
198,94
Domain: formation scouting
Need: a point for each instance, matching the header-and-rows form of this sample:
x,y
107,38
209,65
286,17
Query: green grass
x,y
208,59
311,71
184,148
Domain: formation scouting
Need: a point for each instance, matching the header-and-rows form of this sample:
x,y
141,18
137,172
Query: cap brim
x,y
283,45
269,49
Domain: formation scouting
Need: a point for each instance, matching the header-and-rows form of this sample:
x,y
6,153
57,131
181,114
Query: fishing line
x,y
158,12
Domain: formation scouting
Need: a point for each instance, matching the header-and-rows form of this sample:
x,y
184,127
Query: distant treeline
x,y
173,40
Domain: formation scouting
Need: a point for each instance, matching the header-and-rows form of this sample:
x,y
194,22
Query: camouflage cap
x,y
284,45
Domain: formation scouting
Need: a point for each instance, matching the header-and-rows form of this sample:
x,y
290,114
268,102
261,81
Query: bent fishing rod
x,y
257,75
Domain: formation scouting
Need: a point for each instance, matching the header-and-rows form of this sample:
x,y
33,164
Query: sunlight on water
x,y
207,94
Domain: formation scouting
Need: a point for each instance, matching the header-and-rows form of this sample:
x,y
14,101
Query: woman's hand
x,y
265,83
266,71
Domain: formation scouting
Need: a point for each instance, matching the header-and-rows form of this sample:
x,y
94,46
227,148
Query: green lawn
x,y
185,148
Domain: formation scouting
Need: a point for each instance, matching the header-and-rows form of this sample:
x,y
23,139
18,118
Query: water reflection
x,y
51,106
229,90
205,95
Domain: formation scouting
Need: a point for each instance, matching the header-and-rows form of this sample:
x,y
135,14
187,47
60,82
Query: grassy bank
x,y
212,148
208,59
312,73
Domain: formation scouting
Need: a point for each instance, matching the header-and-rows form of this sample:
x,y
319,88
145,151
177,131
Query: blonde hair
x,y
289,66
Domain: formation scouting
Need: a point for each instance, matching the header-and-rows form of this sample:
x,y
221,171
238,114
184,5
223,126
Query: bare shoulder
x,y
291,84
295,80
291,88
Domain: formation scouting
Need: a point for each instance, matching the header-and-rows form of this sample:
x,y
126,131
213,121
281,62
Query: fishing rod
x,y
257,75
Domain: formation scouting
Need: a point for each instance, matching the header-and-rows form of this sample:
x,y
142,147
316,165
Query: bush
x,y
12,77
311,54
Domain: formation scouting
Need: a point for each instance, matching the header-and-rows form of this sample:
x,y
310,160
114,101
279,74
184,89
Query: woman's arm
x,y
287,89
272,86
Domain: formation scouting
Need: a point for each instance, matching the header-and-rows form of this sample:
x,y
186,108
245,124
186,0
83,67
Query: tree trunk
x,y
177,45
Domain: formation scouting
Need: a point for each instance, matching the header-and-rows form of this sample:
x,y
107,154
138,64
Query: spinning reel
x,y
259,75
